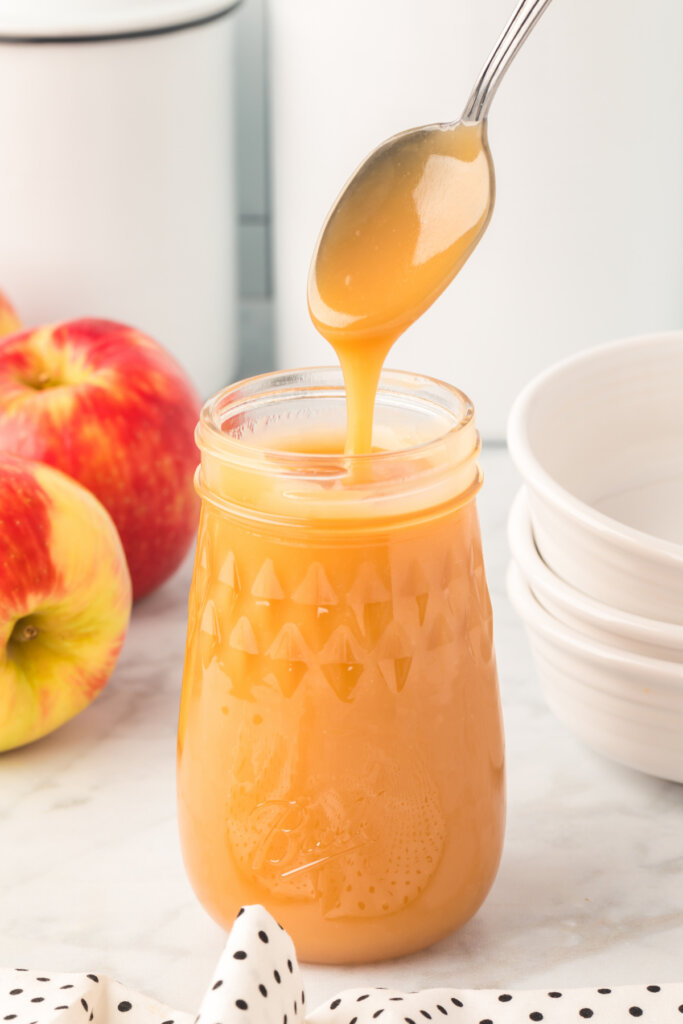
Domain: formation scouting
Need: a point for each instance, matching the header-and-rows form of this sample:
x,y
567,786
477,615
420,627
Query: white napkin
x,y
258,981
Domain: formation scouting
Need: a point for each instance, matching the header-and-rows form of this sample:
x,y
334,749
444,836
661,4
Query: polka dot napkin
x,y
258,981
654,1003
35,997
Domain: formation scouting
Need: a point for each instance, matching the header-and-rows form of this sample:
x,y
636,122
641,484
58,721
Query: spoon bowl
x,y
400,231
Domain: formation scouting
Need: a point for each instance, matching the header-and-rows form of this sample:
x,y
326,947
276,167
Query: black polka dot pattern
x,y
551,1006
76,999
258,974
258,981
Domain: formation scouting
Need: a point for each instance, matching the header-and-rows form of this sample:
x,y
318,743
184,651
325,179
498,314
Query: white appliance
x,y
586,241
117,170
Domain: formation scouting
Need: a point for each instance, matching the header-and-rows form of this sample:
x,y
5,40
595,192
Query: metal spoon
x,y
523,19
410,216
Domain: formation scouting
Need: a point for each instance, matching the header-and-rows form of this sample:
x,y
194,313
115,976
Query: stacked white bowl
x,y
597,542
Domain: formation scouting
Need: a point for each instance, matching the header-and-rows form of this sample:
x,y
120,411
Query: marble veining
x,y
590,890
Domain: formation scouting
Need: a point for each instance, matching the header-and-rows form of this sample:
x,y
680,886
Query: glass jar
x,y
340,750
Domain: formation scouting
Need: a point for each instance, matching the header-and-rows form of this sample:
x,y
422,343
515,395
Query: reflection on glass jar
x,y
340,741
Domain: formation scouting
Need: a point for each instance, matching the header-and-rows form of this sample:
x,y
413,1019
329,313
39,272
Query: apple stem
x,y
26,633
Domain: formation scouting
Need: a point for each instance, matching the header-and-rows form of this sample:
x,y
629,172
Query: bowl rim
x,y
542,580
538,479
537,618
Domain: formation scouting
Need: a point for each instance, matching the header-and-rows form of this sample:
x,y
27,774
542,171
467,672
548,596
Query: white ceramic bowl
x,y
625,706
599,442
595,620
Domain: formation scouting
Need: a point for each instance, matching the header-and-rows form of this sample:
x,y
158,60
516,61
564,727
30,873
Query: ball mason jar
x,y
340,749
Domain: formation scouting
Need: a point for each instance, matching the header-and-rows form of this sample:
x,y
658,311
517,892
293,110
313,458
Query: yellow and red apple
x,y
65,599
111,408
9,321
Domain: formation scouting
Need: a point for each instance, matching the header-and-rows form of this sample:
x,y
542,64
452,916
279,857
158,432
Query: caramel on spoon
x,y
403,226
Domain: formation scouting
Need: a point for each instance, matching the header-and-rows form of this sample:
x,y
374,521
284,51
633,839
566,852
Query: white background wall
x,y
587,240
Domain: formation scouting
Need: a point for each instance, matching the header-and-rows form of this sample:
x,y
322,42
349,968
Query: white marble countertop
x,y
590,890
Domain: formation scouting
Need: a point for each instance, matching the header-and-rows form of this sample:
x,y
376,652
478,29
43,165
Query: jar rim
x,y
278,483
446,399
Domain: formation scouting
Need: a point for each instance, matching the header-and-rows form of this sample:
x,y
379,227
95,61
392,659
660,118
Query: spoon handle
x,y
525,16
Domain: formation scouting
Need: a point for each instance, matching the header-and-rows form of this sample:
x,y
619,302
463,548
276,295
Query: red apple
x,y
9,321
107,405
65,599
